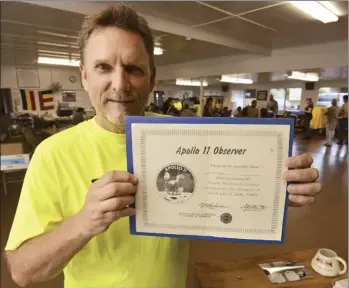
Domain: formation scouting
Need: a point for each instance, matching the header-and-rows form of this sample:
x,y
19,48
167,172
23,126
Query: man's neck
x,y
107,125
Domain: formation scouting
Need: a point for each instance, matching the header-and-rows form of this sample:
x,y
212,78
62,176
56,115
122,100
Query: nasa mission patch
x,y
175,183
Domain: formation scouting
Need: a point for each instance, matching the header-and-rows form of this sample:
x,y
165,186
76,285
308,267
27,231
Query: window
x,y
293,99
237,98
326,94
288,99
279,96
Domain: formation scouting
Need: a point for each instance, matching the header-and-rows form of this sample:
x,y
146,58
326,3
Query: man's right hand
x,y
107,201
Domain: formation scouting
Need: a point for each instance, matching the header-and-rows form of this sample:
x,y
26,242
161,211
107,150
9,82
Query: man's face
x,y
116,73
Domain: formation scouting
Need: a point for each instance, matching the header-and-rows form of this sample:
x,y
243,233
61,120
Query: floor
x,y
323,225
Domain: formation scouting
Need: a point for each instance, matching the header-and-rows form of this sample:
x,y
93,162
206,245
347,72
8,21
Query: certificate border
x,y
204,120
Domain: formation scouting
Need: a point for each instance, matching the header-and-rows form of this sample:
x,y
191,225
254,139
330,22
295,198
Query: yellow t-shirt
x,y
55,185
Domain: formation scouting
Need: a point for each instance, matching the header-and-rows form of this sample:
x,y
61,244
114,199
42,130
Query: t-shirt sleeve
x,y
39,208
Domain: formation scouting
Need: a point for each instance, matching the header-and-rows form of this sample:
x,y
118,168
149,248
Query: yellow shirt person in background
x,y
66,219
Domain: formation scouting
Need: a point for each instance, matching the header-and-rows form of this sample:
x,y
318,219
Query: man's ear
x,y
84,77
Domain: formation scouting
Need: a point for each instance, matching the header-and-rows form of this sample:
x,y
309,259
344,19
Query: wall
x,y
292,84
48,75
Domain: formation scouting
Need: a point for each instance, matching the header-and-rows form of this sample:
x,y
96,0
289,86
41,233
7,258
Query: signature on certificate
x,y
253,208
211,205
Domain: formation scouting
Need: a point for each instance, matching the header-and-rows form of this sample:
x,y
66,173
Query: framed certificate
x,y
209,178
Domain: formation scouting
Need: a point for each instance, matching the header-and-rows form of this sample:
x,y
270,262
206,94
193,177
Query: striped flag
x,y
28,100
46,100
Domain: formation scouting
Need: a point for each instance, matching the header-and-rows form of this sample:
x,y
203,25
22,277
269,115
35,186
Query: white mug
x,y
326,263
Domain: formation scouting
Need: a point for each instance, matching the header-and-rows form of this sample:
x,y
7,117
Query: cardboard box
x,y
11,149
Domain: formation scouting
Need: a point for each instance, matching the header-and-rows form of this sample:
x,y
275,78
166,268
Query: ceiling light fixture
x,y
57,61
57,34
53,52
235,79
158,51
70,45
186,82
297,75
318,10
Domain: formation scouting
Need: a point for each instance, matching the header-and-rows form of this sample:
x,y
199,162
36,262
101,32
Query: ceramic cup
x,y
326,263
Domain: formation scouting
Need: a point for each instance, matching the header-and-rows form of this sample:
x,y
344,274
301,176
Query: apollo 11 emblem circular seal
x,y
175,183
226,218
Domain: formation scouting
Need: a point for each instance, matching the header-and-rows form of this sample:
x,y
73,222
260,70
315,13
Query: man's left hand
x,y
303,187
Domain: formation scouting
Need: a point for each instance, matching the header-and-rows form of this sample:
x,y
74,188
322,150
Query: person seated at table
x,y
78,116
226,112
238,112
252,110
187,111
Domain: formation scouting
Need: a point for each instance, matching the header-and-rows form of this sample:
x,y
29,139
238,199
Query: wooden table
x,y
246,273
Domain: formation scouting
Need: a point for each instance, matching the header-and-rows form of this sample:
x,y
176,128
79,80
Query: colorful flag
x,y
28,100
46,100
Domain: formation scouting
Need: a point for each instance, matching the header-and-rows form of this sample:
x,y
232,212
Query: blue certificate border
x,y
205,120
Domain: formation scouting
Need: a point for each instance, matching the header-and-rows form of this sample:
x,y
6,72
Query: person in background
x,y
226,112
332,119
173,111
167,105
151,107
218,107
196,106
78,116
178,104
208,110
74,207
237,112
272,105
343,122
187,111
252,110
308,110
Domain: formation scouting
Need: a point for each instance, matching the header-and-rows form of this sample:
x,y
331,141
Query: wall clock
x,y
72,79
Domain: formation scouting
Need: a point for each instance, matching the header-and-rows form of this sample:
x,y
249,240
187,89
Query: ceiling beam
x,y
161,25
294,58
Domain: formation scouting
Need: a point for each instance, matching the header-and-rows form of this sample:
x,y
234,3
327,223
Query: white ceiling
x,y
215,28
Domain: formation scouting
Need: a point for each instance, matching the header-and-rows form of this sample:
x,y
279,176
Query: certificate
x,y
209,178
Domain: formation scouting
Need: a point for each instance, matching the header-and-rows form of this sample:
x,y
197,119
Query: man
x,y
343,122
208,109
308,111
63,220
252,110
332,119
178,104
272,105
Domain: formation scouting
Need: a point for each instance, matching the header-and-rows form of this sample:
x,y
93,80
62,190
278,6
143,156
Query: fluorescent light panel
x,y
187,82
311,77
58,61
317,10
158,51
58,44
235,79
57,34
